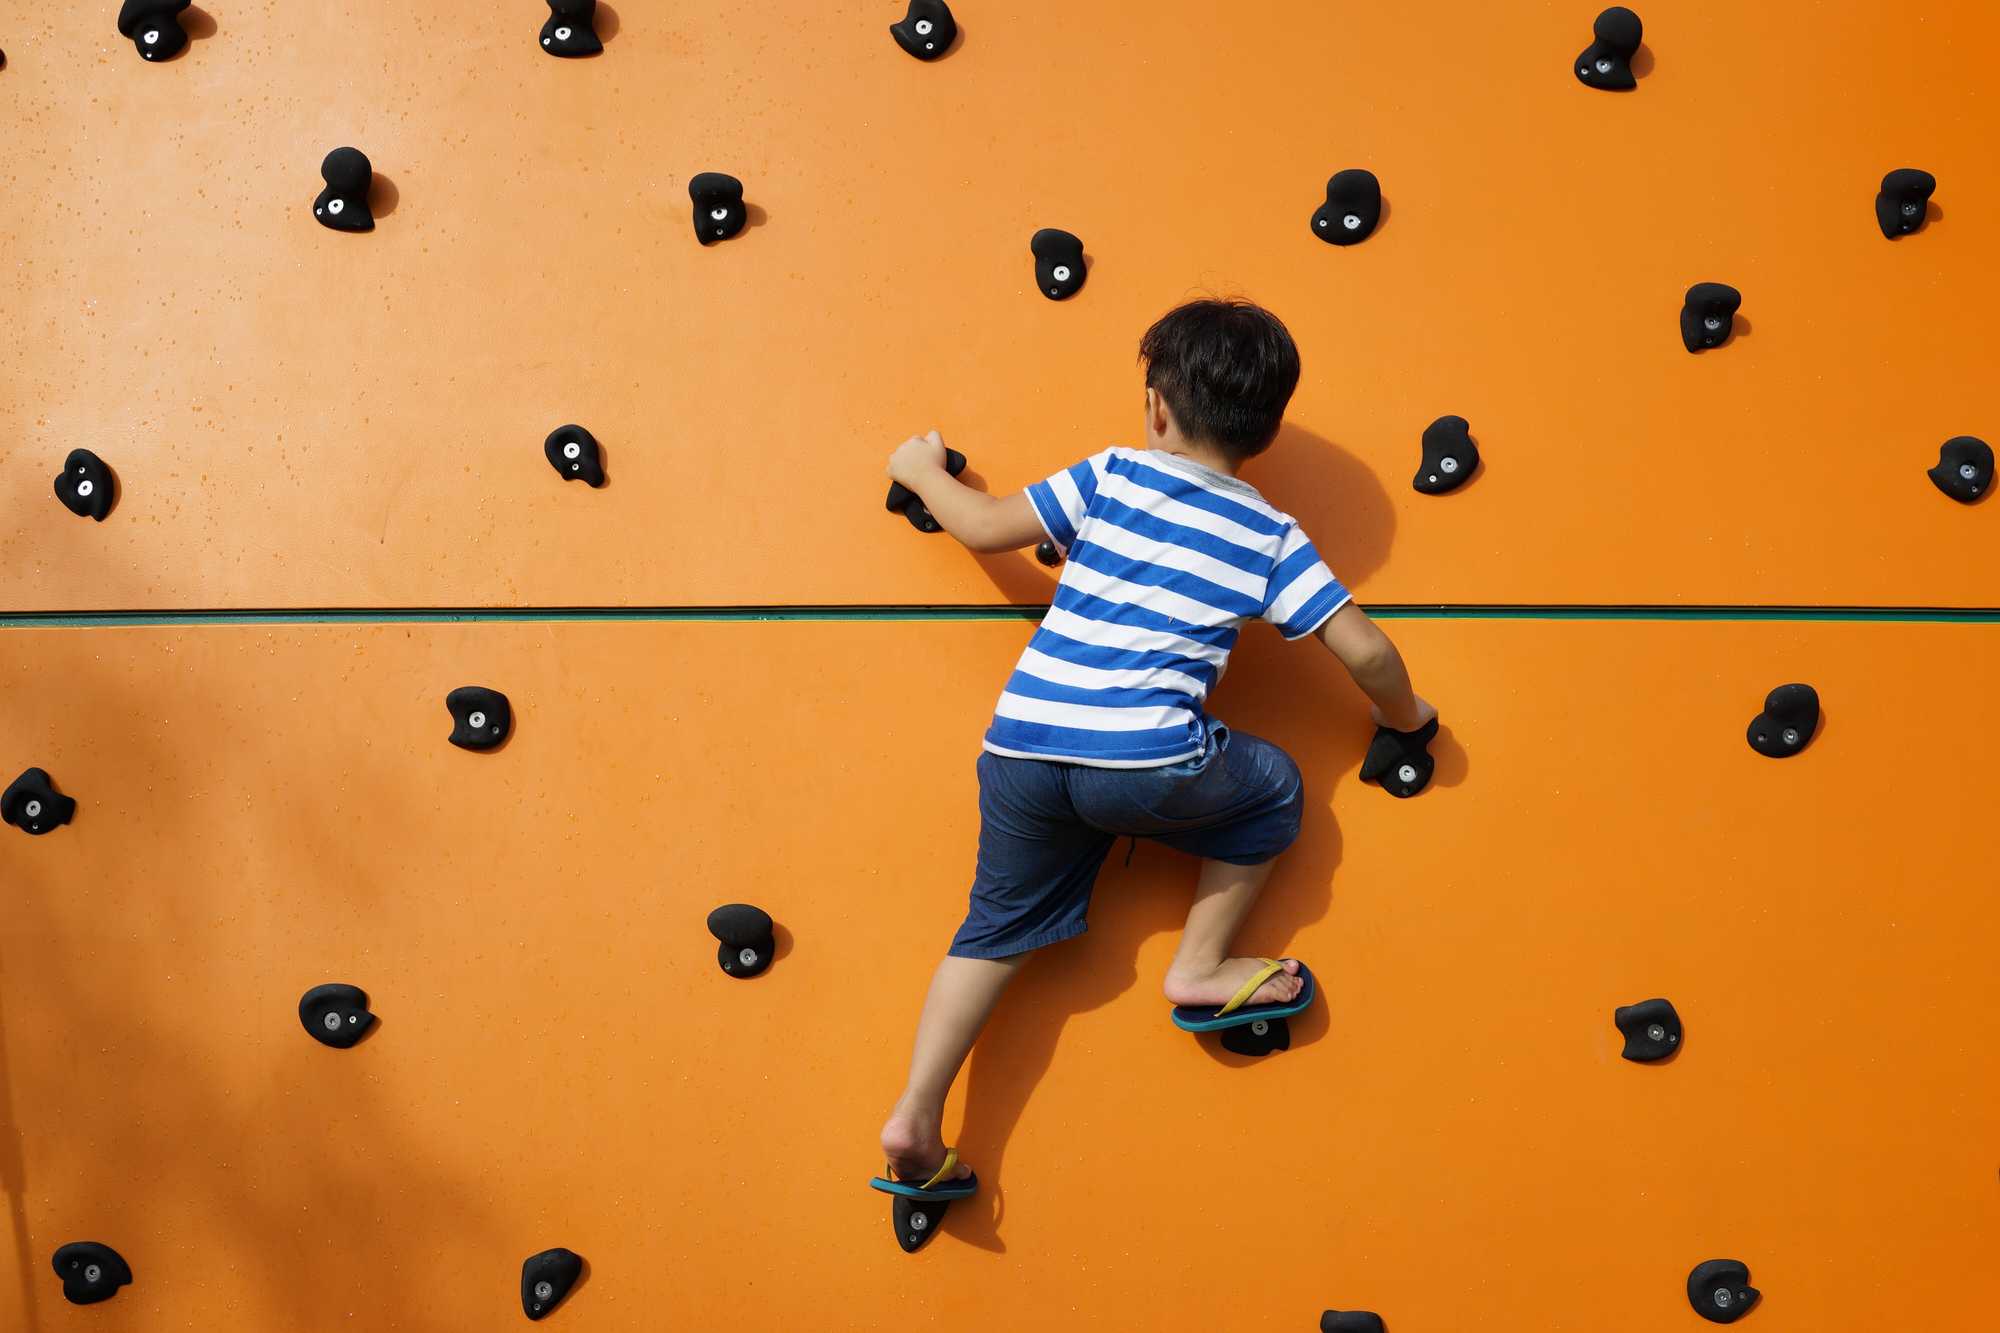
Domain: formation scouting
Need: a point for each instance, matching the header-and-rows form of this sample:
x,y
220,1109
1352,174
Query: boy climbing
x,y
1103,732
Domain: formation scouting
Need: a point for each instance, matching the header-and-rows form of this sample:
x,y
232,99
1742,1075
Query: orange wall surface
x,y
302,419
299,417
1452,1139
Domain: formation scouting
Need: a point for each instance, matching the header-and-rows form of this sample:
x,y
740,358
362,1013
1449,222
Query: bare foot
x,y
1219,984
914,1146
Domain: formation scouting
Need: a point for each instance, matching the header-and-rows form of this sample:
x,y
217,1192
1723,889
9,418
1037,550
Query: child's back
x,y
1167,560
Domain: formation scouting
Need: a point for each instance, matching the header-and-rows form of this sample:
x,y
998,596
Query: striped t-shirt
x,y
1167,559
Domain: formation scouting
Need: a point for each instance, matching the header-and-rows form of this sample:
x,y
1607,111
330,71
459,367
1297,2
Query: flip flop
x,y
935,1190
1236,1013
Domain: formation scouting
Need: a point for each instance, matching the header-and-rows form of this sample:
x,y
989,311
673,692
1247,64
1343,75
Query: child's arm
x,y
1376,667
983,522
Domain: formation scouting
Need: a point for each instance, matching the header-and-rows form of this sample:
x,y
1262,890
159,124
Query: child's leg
x,y
963,993
1202,972
1030,889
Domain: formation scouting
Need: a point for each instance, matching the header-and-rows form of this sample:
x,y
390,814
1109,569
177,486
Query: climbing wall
x,y
299,422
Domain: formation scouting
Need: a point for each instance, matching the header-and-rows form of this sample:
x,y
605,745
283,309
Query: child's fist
x,y
916,458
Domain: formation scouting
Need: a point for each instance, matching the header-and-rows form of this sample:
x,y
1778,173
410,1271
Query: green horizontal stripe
x,y
725,614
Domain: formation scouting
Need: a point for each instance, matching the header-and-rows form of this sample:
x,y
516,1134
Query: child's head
x,y
1225,369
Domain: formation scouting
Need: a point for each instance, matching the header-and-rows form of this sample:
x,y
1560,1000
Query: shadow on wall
x,y
112,1052
1336,497
14,1176
149,1172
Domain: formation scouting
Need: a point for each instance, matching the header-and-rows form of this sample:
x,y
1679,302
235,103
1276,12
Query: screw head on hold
x,y
747,957
1790,735
1407,773
1261,1027
919,1221
331,1022
1447,465
544,1290
92,1273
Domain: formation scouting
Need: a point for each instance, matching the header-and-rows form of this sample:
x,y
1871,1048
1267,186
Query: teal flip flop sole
x,y
942,1193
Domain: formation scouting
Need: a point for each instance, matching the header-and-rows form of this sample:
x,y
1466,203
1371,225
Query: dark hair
x,y
1226,369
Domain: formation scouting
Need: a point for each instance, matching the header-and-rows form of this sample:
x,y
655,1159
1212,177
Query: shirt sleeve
x,y
1303,592
1062,500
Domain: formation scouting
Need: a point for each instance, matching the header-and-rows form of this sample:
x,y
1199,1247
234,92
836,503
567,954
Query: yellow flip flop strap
x,y
950,1161
1271,968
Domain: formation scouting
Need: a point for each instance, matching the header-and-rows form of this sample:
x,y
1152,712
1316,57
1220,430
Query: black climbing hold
x,y
1707,314
481,718
85,485
570,30
1353,206
336,1015
1350,1321
1899,204
546,1278
904,501
1450,457
747,939
718,206
1058,263
915,1220
1964,468
1785,727
1652,1030
1720,1291
343,204
572,451
32,804
153,26
1401,760
927,31
90,1272
1048,554
1607,62
1259,1037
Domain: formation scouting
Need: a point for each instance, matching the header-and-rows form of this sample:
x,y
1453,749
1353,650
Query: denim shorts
x,y
1045,829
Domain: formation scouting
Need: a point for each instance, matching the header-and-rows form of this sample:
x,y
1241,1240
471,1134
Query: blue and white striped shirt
x,y
1167,560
